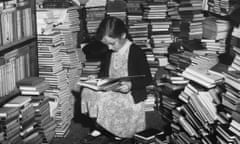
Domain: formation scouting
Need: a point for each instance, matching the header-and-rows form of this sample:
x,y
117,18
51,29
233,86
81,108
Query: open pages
x,y
106,84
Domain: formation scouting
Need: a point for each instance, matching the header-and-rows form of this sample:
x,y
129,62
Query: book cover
x,y
106,84
18,101
30,81
148,134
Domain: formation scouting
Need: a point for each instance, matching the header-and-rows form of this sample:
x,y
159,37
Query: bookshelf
x,y
18,51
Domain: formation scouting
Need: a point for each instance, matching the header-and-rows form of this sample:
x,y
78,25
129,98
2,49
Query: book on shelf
x,y
105,84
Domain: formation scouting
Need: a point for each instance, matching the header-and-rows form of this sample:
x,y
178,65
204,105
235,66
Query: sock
x,y
95,133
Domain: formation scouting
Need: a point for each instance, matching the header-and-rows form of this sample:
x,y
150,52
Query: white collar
x,y
126,45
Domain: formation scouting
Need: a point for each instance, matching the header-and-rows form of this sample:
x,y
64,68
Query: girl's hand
x,y
125,87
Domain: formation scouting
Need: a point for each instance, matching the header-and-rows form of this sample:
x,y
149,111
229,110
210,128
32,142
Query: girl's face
x,y
114,44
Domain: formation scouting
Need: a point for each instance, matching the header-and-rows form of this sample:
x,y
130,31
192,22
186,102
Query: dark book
x,y
148,134
30,81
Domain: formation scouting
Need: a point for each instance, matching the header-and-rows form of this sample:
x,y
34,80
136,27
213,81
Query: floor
x,y
80,127
77,132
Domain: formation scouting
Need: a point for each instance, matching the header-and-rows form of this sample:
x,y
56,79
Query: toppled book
x,y
106,84
148,134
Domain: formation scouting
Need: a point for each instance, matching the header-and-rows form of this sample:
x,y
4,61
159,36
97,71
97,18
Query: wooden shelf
x,y
10,46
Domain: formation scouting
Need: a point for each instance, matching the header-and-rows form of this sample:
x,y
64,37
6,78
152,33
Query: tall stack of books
x,y
69,26
192,17
51,69
156,14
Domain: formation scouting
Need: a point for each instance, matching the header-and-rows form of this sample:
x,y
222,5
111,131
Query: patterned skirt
x,y
116,112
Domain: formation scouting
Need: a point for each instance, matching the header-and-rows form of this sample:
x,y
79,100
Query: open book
x,y
106,84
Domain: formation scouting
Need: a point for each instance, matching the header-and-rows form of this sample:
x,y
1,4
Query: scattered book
x,y
148,134
106,84
18,101
30,81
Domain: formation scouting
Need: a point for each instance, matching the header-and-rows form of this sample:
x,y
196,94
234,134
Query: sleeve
x,y
139,66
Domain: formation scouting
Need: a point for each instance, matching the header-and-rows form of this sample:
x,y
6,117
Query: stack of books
x,y
235,42
90,69
26,118
94,15
215,28
44,122
220,7
213,46
51,69
192,17
32,86
10,125
117,8
174,16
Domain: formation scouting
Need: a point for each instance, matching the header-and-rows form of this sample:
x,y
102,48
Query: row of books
x,y
16,24
15,66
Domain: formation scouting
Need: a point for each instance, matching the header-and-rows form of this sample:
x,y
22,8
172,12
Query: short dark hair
x,y
112,27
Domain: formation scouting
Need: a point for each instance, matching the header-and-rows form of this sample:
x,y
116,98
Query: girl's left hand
x,y
125,87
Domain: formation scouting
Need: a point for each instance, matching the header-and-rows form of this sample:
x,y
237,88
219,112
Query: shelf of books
x,y
18,61
17,45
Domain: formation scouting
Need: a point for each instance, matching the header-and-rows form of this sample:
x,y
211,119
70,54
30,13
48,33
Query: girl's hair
x,y
112,27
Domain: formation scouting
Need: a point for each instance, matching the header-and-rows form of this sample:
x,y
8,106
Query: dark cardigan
x,y
137,65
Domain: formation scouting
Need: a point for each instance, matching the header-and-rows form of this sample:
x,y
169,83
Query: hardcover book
x,y
105,84
148,134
